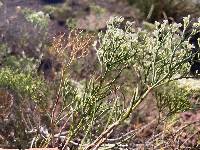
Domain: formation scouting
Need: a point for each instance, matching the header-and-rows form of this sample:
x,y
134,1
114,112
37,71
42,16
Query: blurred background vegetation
x,y
57,91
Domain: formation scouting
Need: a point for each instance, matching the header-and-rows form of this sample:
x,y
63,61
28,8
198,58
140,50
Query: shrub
x,y
172,98
38,19
95,109
23,84
85,114
23,101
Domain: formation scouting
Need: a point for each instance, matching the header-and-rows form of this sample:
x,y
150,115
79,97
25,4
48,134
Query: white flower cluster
x,y
163,51
116,45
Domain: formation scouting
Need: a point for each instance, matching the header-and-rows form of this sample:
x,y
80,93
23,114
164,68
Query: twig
x,y
102,141
110,141
185,126
189,138
102,136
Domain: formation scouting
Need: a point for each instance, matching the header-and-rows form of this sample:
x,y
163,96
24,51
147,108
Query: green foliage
x,y
171,98
38,19
158,55
96,108
115,45
3,49
59,12
24,85
89,108
97,9
71,23
49,9
23,64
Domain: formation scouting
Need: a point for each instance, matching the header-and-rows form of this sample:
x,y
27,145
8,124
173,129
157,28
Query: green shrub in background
x,y
26,92
154,10
38,19
172,98
21,63
24,64
24,85
178,96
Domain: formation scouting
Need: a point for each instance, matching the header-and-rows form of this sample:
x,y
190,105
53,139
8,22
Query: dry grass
x,y
74,46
